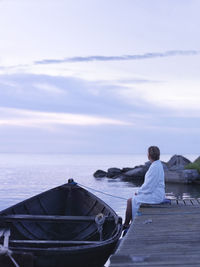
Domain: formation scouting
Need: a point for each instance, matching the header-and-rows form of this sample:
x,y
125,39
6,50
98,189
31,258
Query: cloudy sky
x,y
99,76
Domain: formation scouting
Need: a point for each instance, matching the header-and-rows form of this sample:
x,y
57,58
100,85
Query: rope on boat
x,y
107,194
99,220
7,252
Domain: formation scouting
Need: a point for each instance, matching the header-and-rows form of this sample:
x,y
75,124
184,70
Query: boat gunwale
x,y
2,212
102,243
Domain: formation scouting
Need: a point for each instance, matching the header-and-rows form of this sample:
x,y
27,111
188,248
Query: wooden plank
x,y
194,202
181,202
150,265
173,202
48,218
164,205
53,242
188,202
153,258
173,212
6,238
162,237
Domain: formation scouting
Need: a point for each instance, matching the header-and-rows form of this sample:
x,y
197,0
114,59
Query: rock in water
x,y
181,176
100,174
126,169
175,171
113,172
137,172
177,162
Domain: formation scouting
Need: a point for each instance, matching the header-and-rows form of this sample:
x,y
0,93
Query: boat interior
x,y
66,200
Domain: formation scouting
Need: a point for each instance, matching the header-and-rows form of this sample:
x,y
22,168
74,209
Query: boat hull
x,y
90,257
56,243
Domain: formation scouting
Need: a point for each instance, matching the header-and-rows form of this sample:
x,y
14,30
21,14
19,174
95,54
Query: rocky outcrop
x,y
113,172
176,172
181,176
100,174
138,171
177,162
174,169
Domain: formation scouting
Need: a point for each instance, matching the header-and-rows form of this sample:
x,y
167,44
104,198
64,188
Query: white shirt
x,y
153,189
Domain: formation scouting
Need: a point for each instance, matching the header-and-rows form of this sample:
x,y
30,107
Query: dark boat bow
x,y
64,226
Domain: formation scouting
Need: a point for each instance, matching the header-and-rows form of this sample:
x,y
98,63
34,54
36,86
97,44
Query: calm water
x,y
24,175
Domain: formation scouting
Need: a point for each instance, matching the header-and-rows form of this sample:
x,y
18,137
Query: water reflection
x,y
182,191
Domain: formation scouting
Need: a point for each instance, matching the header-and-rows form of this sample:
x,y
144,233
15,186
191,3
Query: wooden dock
x,y
163,235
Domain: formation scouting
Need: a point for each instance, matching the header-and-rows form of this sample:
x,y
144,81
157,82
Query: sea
x,y
25,175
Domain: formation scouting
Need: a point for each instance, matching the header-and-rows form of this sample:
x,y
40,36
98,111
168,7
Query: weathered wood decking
x,y
164,235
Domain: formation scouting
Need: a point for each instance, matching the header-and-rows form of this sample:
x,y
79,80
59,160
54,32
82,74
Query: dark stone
x,y
181,176
147,164
174,169
191,175
100,174
113,172
137,172
119,176
177,162
126,169
138,181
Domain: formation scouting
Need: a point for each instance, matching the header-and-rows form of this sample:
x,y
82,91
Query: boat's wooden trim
x,y
113,239
53,242
49,218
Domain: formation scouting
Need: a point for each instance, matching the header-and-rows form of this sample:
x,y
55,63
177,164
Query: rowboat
x,y
66,226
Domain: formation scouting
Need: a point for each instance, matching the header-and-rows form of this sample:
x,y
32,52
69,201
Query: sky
x,y
99,76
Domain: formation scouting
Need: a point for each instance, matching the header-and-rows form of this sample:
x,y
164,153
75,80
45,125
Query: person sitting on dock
x,y
153,189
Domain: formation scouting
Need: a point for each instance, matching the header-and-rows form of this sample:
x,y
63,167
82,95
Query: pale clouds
x,y
174,96
114,98
149,55
90,116
49,88
30,118
69,77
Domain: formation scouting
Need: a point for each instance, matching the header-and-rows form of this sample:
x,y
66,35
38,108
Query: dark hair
x,y
154,152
